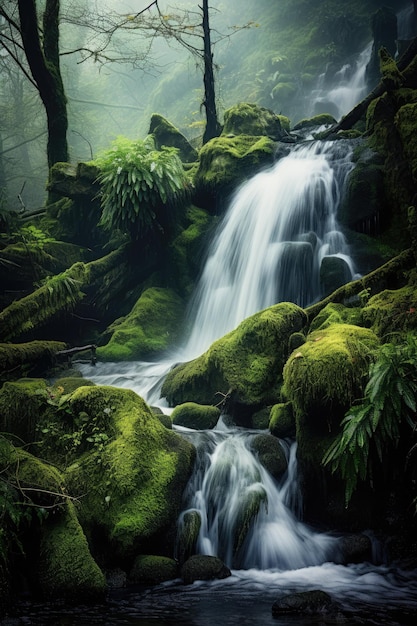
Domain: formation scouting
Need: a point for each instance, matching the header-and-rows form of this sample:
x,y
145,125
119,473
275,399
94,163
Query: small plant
x,y
374,426
140,187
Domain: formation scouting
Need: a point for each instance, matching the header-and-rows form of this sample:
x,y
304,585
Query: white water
x,y
267,249
248,519
344,90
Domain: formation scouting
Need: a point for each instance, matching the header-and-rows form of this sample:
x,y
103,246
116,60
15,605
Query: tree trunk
x,y
44,67
212,123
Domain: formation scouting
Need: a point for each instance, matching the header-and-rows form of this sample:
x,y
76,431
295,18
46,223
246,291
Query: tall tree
x,y
43,60
212,122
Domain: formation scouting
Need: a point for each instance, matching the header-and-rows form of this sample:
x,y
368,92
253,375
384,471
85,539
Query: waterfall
x,y
406,23
248,519
339,93
270,245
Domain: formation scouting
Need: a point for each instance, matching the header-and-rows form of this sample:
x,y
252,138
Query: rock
x,y
189,528
334,272
165,134
116,578
153,570
197,416
282,420
303,603
356,548
251,119
270,454
201,567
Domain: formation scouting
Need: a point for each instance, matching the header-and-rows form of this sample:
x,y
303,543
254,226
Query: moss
x,y
250,119
134,484
153,570
392,311
390,74
21,406
247,362
34,357
337,314
282,420
192,415
227,161
67,568
188,531
68,384
60,293
165,134
260,419
322,119
327,374
151,327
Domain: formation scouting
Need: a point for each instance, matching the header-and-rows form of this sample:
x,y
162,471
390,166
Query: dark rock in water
x,y
356,548
200,567
116,578
270,453
188,534
151,570
304,603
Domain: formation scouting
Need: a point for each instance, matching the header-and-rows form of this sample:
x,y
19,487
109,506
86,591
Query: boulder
x,y
196,416
251,119
270,453
334,272
201,567
282,420
165,134
314,602
153,570
188,531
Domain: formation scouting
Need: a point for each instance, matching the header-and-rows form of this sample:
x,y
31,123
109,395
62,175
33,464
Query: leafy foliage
x,y
140,187
374,426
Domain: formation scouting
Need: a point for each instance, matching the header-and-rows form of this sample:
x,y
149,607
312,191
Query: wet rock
x,y
201,567
152,570
270,454
188,534
356,548
116,578
304,603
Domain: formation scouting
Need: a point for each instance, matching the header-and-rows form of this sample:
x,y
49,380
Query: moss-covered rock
x,y
188,531
323,119
246,363
260,419
153,570
334,313
334,272
165,134
392,311
325,375
282,420
250,119
192,415
134,483
227,161
270,454
151,327
27,359
21,405
199,567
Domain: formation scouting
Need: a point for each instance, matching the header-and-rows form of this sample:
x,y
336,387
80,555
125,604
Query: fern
x,y
140,187
374,425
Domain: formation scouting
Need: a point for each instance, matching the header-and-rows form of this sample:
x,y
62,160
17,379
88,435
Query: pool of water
x,y
366,594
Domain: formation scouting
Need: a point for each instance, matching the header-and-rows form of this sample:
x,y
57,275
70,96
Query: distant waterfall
x,y
339,93
247,518
270,245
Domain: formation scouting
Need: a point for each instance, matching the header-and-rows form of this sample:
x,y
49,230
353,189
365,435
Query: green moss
x,y
192,415
151,327
133,486
153,570
337,314
282,420
250,119
392,311
67,568
59,293
34,357
318,120
247,362
21,406
325,375
188,531
70,383
165,134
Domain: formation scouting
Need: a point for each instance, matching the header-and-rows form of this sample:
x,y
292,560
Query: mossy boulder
x,y
152,570
250,119
227,161
151,327
133,484
270,454
326,375
21,405
201,567
188,531
246,363
322,119
336,313
392,311
334,272
192,415
282,420
58,555
166,134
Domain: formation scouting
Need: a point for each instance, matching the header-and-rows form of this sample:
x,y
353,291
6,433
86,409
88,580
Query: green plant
x,y
374,426
140,187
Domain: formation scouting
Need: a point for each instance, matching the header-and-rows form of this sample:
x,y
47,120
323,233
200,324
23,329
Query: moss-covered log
x,y
23,359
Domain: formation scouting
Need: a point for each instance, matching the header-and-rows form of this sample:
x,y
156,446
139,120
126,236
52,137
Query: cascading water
x,y
247,518
269,248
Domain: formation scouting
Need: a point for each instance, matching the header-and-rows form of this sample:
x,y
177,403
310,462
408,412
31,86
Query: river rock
x,y
304,603
356,548
270,453
202,567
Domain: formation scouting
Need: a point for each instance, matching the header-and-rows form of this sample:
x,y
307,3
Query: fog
x,y
271,63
